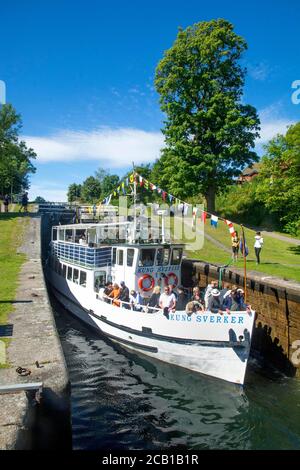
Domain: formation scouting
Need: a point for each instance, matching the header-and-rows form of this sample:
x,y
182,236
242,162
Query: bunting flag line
x,y
230,227
214,221
203,216
183,206
106,201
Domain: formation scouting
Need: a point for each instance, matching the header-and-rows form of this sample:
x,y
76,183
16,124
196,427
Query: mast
x,y
245,263
134,202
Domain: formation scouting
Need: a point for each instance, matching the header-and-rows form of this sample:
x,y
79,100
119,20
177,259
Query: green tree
x,y
15,157
39,200
209,133
109,183
279,178
74,192
91,190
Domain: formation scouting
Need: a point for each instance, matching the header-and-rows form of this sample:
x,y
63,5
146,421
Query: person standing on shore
x,y
235,246
258,246
6,202
24,203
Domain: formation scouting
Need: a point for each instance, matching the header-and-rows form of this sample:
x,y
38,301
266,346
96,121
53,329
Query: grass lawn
x,y
278,258
11,229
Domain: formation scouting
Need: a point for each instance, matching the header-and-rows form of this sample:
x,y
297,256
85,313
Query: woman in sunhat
x,y
214,301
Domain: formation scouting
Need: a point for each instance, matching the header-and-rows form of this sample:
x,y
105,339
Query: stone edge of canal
x,y
25,421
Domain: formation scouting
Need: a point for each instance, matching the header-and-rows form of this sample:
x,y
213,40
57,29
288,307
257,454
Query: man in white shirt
x,y
258,246
167,301
213,285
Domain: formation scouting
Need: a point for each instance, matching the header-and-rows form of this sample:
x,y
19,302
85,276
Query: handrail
x,y
21,387
130,304
145,308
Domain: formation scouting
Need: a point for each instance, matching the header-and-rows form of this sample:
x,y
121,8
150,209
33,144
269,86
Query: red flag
x,y
203,216
164,195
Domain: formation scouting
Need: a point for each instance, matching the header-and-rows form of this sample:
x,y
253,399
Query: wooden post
x,y
245,263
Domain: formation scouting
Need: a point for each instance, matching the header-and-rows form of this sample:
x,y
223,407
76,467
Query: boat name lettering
x,y
206,318
158,269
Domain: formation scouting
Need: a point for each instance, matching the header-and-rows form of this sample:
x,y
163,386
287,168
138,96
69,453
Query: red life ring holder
x,y
144,278
167,279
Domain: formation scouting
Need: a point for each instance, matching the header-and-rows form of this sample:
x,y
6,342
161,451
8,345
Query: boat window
x,y
69,235
61,234
130,256
99,280
120,258
163,255
147,257
54,234
64,270
176,255
82,280
69,274
114,255
80,235
76,276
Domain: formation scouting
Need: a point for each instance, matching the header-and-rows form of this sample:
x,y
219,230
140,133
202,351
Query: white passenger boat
x,y
83,258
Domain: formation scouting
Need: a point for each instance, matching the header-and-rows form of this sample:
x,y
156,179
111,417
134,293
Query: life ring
x,y
167,279
144,278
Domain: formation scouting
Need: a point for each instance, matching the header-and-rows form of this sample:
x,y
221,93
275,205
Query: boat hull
x,y
206,343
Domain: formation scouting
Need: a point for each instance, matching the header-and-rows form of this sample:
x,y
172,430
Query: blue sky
x,y
81,74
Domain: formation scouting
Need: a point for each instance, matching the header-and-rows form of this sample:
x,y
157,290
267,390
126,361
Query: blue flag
x,y
242,243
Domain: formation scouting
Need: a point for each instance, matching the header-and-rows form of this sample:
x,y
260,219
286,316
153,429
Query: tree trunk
x,y
210,197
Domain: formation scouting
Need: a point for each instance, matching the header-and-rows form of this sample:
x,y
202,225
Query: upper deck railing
x,y
82,255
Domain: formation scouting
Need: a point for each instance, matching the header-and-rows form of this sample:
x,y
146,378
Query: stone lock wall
x,y
276,335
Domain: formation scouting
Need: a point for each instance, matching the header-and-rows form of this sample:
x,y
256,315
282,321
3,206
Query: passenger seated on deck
x,y
154,300
214,302
196,294
212,285
115,293
124,294
107,291
193,307
147,261
225,291
136,300
241,299
234,301
167,302
82,240
181,299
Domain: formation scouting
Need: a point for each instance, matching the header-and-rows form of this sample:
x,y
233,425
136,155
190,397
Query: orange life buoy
x,y
167,279
141,280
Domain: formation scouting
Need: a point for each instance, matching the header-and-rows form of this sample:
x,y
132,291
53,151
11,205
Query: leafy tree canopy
x,y
279,178
74,192
91,190
209,133
39,200
15,157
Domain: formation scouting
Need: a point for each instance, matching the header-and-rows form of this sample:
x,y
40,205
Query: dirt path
x,y
283,238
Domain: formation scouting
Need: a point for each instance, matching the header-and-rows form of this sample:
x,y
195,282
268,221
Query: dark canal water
x,y
122,400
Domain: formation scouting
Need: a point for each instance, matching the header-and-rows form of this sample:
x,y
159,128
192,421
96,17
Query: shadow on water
x,y
123,400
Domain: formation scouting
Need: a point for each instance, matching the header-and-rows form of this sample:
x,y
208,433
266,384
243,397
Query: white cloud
x,y
113,148
272,123
259,71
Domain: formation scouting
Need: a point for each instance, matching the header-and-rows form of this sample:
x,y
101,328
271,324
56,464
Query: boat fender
x,y
141,281
170,276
